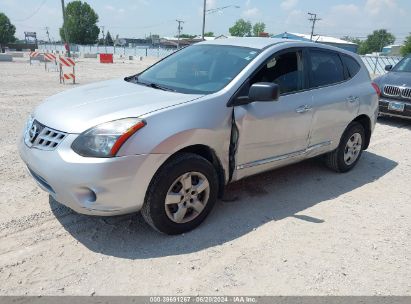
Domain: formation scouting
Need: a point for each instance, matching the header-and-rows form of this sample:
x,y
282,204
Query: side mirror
x,y
264,92
388,67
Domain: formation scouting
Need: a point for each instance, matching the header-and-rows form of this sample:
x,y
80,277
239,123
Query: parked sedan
x,y
396,89
166,141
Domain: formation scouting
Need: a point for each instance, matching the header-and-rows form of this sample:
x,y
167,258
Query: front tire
x,y
349,151
181,194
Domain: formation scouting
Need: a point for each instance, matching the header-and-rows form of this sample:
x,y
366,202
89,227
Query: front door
x,y
271,134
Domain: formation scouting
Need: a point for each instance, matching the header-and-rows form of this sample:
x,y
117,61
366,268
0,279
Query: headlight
x,y
28,124
105,140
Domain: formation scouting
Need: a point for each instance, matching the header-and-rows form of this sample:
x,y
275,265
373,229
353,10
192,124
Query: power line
x,y
32,14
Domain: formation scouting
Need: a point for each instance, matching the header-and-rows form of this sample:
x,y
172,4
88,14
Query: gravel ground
x,y
300,230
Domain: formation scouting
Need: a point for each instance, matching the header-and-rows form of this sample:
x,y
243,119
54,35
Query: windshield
x,y
403,66
198,69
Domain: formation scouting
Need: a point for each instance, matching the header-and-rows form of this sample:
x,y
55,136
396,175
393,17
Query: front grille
x,y
392,91
406,93
42,137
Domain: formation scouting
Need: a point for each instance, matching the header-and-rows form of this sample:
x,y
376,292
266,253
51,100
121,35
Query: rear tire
x,y
349,151
181,194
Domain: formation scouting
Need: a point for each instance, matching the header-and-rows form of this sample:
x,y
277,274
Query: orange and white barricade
x,y
34,56
67,62
49,57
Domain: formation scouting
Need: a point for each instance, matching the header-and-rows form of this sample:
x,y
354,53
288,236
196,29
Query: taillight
x,y
377,89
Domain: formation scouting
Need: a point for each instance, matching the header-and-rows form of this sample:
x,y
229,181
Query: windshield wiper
x,y
160,87
153,85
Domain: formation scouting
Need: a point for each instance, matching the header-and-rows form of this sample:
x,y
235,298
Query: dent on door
x,y
269,135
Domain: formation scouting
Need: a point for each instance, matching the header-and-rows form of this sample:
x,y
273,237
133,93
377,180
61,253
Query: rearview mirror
x,y
264,92
388,67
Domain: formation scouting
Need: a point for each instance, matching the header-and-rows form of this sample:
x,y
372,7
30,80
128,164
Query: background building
x,y
392,50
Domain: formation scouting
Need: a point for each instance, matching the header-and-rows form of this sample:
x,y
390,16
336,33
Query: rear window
x,y
325,69
353,67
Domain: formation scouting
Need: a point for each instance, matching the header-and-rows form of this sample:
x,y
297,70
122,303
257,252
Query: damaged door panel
x,y
269,135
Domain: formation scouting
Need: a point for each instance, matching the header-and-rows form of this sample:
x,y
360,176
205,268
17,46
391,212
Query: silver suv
x,y
166,141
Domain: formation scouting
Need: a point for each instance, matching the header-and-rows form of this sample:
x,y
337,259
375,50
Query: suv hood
x,y
79,109
396,78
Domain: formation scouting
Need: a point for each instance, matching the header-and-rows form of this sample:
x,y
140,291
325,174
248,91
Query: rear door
x,y
335,98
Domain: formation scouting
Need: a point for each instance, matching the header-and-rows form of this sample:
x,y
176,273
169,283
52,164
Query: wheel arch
x,y
365,121
209,154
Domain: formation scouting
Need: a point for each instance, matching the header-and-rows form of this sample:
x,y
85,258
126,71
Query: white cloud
x,y
345,9
109,7
376,7
113,9
139,3
289,4
251,12
294,16
211,4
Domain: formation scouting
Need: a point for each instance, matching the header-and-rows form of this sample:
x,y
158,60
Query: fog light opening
x,y
86,196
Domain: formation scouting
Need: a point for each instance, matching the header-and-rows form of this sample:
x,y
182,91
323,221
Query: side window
x,y
325,69
285,70
352,65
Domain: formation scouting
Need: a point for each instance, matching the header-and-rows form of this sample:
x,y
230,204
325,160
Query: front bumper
x,y
94,186
383,108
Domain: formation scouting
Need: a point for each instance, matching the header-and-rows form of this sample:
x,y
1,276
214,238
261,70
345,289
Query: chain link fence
x,y
376,64
138,51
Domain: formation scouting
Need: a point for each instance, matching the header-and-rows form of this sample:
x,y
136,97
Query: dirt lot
x,y
300,230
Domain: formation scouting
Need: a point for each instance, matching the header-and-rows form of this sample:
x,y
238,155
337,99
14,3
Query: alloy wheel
x,y
353,149
187,197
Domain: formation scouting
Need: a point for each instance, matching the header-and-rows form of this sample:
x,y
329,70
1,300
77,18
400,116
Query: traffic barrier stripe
x,y
50,57
34,54
67,62
69,76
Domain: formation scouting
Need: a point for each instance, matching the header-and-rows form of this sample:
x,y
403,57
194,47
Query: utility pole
x,y
104,39
204,18
48,34
212,11
179,32
313,19
63,7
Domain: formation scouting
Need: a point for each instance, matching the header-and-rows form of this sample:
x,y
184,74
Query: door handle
x,y
303,109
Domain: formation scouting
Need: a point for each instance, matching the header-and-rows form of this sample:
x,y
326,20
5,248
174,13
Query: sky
x,y
139,18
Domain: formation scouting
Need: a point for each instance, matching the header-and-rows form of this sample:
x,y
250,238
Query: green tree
x,y
7,31
406,49
355,40
81,23
209,34
258,28
186,36
109,39
241,28
376,41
